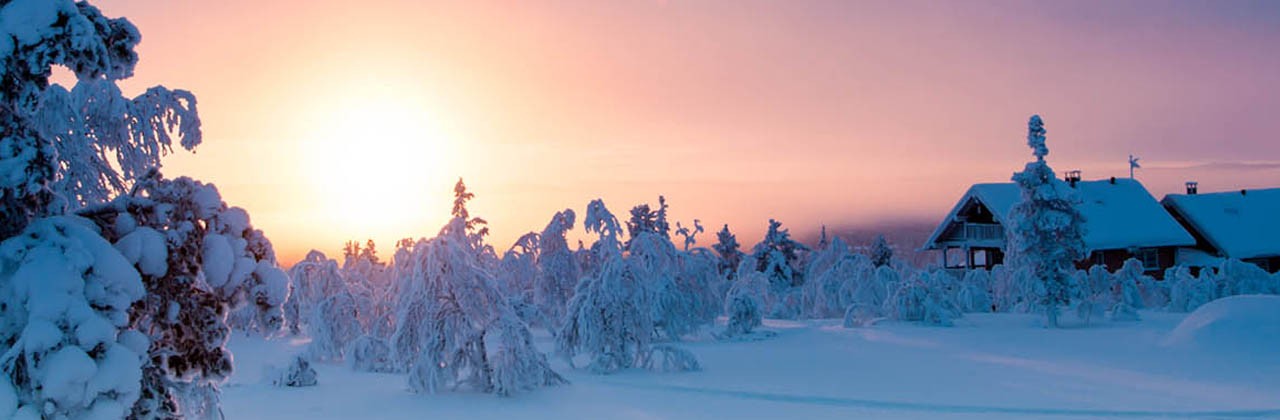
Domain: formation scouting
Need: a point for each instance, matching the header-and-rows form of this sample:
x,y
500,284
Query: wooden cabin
x,y
1122,220
1243,224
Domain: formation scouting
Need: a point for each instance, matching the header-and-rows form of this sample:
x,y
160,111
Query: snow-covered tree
x,y
730,256
1188,292
64,348
645,219
369,353
653,262
609,317
679,285
974,294
1237,277
689,234
335,322
881,252
699,282
517,276
1093,293
827,292
558,270
913,299
1004,291
311,280
62,149
1155,294
454,329
1125,293
744,303
1046,235
870,290
198,259
778,256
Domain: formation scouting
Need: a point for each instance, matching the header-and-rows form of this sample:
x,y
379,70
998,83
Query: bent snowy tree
x,y
454,328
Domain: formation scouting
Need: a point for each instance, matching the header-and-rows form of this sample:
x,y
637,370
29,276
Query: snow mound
x,y
1236,324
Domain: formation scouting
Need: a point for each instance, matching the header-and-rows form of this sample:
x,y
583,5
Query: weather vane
x,y
1133,164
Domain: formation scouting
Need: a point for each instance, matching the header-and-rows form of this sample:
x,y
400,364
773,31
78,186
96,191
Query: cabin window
x,y
1150,258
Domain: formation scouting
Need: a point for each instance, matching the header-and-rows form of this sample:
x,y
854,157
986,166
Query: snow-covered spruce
x,y
454,328
64,299
881,252
726,248
778,256
1045,232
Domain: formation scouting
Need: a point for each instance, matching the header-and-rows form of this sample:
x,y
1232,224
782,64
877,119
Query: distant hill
x,y
906,236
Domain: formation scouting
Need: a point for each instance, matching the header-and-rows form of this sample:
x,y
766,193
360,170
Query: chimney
x,y
1244,192
1192,187
1113,180
1073,177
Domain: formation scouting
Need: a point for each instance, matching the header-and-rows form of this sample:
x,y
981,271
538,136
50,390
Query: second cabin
x,y
1122,220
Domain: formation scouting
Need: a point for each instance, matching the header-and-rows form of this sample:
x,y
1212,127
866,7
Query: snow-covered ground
x,y
987,366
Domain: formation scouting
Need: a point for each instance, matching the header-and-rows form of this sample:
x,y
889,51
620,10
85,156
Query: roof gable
x,y
1237,225
1118,215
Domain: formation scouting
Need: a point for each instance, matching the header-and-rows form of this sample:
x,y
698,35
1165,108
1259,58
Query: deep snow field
x,y
987,366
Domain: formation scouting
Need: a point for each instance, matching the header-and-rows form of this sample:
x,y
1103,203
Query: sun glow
x,y
376,158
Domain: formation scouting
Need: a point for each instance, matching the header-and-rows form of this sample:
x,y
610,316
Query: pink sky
x,y
836,112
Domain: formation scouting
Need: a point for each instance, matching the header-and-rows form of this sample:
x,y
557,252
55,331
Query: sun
x,y
375,158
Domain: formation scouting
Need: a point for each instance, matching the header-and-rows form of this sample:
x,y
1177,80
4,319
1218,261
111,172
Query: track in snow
x,y
947,408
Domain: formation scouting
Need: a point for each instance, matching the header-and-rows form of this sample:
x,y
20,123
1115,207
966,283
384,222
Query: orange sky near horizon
x,y
331,120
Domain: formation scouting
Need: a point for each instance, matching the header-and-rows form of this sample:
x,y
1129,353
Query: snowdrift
x,y
1237,324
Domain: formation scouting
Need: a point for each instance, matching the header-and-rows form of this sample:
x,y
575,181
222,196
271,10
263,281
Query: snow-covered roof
x,y
1118,215
1236,225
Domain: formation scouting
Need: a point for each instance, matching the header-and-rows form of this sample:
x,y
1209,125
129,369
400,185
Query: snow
x,y
1237,225
29,21
68,371
146,248
1248,324
218,259
1117,216
66,290
982,368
